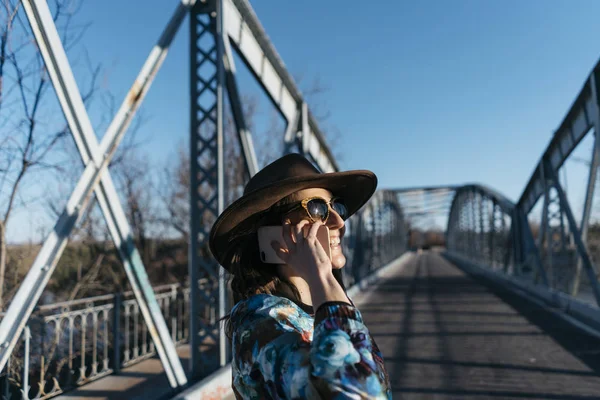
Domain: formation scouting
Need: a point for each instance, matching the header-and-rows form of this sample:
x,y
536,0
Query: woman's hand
x,y
304,252
310,261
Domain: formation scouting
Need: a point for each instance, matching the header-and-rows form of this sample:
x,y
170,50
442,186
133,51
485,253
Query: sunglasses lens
x,y
339,207
317,209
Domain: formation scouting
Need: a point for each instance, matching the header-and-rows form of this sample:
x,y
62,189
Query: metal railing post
x,y
118,301
25,389
173,313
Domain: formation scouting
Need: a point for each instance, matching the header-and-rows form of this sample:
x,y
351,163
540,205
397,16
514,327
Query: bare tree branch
x,y
89,277
28,136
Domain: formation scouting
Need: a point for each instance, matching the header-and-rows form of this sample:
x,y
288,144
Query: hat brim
x,y
355,187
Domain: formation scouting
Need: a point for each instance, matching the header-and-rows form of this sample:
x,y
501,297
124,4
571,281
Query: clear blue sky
x,y
423,93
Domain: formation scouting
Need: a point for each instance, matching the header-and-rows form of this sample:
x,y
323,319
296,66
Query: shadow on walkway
x,y
445,335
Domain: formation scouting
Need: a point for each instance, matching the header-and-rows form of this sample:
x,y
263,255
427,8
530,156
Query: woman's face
x,y
334,222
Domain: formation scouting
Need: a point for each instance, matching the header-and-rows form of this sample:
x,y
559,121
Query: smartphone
x,y
267,234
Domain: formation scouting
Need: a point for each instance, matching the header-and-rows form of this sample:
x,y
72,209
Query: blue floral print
x,y
282,352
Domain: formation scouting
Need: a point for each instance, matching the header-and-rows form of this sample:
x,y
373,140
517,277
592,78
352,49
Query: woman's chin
x,y
338,260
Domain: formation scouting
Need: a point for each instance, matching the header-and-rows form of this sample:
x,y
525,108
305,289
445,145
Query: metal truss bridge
x,y
500,310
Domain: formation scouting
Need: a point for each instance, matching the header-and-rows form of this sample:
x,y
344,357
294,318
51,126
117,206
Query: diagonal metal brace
x,y
593,174
581,248
244,134
94,178
531,252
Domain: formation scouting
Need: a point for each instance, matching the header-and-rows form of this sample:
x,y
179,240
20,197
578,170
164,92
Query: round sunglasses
x,y
317,208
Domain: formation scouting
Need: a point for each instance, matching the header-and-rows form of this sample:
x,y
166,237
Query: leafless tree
x,y
175,195
134,175
98,264
29,131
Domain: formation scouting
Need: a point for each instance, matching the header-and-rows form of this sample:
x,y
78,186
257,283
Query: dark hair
x,y
250,275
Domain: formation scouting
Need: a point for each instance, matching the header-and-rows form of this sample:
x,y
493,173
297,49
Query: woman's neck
x,y
287,272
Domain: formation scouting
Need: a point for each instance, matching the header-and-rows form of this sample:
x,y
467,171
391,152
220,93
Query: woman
x,y
295,333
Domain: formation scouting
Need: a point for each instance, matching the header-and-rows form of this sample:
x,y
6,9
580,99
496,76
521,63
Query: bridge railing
x,y
560,258
71,343
490,236
374,237
480,228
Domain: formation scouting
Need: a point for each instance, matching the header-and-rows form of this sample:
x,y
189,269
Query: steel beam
x,y
94,178
207,81
589,197
593,174
482,244
517,239
419,190
292,136
494,234
581,247
244,135
491,220
304,129
253,45
473,223
578,121
529,248
544,233
220,38
585,219
546,229
502,244
510,245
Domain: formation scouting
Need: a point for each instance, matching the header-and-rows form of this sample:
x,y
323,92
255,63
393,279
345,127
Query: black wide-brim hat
x,y
276,181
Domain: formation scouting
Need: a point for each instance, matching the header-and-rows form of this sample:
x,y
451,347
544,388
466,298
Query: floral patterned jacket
x,y
281,352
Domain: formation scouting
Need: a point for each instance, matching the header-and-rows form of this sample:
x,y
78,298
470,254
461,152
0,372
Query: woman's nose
x,y
334,221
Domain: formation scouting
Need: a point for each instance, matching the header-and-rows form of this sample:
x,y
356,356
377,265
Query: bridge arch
x,y
377,235
480,227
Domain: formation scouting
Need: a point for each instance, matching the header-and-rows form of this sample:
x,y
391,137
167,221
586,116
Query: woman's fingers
x,y
302,247
298,229
312,232
320,252
280,251
313,241
287,235
304,252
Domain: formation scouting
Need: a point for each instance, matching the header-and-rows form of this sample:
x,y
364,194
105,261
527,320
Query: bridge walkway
x,y
445,335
